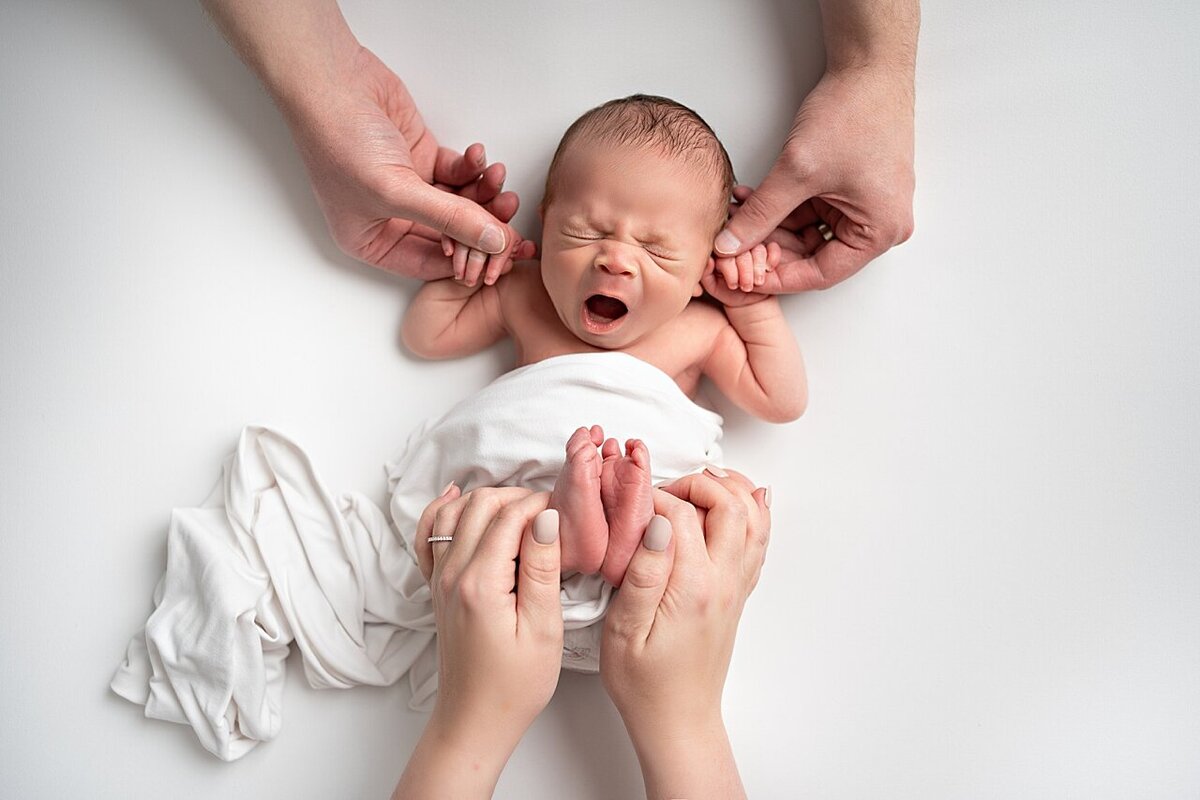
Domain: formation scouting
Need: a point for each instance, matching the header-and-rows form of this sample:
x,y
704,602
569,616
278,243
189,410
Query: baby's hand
x,y
469,264
732,280
749,269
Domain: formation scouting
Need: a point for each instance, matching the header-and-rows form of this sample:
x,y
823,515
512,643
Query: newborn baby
x,y
635,194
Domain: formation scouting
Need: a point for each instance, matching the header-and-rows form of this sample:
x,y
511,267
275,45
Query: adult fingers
x,y
504,206
731,535
539,604
501,542
479,509
632,613
803,214
454,169
758,539
774,199
425,529
490,183
829,265
757,501
687,533
463,220
726,517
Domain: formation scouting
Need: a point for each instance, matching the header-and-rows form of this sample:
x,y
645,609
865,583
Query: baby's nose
x,y
614,264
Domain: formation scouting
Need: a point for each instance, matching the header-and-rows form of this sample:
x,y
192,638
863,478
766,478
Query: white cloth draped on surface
x,y
271,558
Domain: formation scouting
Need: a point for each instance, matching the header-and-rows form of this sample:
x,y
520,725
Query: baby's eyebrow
x,y
655,238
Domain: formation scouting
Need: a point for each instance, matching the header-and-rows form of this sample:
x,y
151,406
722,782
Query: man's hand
x,y
841,191
388,191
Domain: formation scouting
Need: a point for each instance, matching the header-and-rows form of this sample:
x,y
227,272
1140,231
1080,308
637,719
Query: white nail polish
x,y
716,471
658,534
545,527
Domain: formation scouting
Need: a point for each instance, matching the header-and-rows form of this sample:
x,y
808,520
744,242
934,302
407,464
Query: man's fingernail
x,y
727,243
446,491
492,239
545,527
658,534
716,471
767,497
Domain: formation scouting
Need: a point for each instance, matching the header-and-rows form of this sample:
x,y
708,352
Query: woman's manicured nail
x,y
545,527
446,491
716,471
658,534
767,497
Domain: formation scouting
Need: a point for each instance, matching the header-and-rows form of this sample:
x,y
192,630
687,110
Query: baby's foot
x,y
625,492
582,528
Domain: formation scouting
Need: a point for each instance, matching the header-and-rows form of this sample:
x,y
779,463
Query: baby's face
x,y
625,240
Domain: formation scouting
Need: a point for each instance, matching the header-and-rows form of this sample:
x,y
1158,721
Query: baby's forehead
x,y
680,181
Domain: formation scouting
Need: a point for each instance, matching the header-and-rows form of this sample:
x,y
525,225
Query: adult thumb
x,y
632,613
538,599
459,218
777,196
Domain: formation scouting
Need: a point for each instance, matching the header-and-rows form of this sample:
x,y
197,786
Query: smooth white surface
x,y
984,579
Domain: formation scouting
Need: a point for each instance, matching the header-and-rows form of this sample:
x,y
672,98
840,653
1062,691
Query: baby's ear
x,y
709,266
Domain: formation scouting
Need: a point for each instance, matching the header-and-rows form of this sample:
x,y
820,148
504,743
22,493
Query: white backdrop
x,y
984,580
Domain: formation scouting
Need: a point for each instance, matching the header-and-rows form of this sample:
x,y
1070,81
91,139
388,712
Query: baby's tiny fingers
x,y
476,260
447,246
759,254
745,263
728,268
495,267
459,260
774,255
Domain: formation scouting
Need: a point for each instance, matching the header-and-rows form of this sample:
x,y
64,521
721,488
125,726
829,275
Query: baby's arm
x,y
449,320
755,359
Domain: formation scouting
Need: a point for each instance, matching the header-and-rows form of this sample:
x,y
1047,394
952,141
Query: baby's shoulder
x,y
523,277
702,316
692,335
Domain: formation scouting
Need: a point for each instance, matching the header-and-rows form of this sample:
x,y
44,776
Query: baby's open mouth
x,y
602,313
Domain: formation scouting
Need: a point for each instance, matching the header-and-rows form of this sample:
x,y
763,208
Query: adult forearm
x,y
696,762
860,33
453,760
296,47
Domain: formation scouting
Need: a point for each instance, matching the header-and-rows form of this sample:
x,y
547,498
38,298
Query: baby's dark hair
x,y
651,121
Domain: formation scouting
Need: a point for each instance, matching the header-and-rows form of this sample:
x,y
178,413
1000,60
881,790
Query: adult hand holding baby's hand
x,y
734,281
386,188
499,650
841,191
669,633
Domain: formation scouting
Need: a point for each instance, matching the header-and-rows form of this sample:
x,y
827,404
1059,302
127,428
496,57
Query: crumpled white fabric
x,y
270,558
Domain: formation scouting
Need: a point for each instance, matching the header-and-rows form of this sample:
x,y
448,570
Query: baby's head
x,y
636,192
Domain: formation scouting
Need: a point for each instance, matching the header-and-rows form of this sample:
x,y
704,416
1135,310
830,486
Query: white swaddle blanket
x,y
270,557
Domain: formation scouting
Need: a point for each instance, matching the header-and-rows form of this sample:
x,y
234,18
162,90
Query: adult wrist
x,y
475,737
870,35
693,760
308,89
653,726
300,52
455,758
